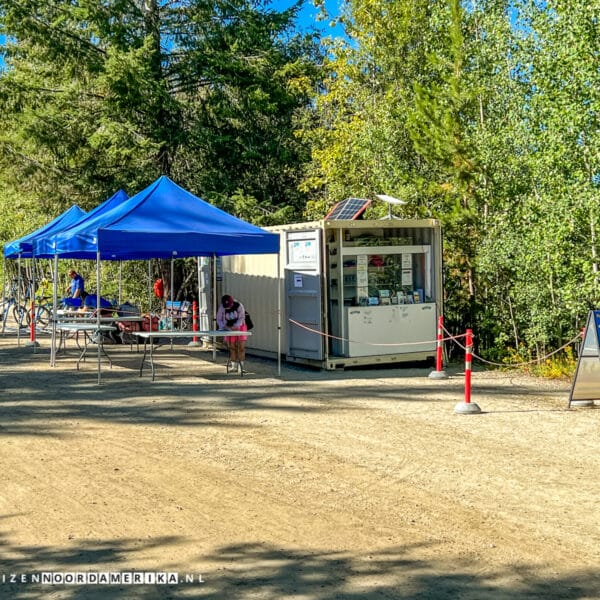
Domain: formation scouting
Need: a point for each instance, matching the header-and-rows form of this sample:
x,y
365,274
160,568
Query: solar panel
x,y
348,209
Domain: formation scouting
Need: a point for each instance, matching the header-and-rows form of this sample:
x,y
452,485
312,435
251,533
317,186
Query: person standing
x,y
75,289
231,316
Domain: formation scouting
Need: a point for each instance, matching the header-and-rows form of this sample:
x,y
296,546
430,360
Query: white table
x,y
89,320
150,336
89,329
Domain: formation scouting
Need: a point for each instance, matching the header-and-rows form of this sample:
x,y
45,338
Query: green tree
x,y
539,257
101,95
483,114
360,141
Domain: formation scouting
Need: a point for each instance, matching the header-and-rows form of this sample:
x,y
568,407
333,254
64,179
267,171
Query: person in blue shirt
x,y
77,285
76,291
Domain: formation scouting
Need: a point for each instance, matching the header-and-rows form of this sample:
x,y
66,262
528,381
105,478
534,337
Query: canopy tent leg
x,y
214,304
18,299
98,311
150,286
4,294
120,282
54,311
279,286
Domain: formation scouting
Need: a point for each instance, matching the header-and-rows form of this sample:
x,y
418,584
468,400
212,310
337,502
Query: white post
x,y
54,311
214,304
18,299
98,322
4,294
279,285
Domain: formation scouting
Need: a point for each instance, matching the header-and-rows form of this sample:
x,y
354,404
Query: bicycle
x,y
43,312
10,306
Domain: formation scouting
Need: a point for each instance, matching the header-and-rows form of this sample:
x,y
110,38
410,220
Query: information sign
x,y
586,383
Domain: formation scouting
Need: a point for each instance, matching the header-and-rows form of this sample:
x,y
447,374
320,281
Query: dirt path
x,y
315,485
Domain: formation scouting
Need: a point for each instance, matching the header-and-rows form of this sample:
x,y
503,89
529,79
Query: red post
x,y
32,324
195,318
468,361
438,362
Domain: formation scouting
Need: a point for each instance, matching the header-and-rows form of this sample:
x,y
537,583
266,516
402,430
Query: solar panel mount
x,y
348,209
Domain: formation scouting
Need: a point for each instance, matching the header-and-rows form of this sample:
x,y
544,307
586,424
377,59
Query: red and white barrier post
x,y
32,341
468,365
439,372
195,341
467,407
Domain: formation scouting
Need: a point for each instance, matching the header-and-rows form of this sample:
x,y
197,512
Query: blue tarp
x,y
24,245
163,221
44,243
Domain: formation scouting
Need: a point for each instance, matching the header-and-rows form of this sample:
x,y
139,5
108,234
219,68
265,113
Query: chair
x,y
178,313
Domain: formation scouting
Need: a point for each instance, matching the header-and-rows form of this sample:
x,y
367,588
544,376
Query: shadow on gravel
x,y
269,572
191,390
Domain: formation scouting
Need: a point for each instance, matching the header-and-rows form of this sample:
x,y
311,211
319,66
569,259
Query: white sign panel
x,y
302,253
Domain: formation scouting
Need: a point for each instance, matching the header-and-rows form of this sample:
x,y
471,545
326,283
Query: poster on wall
x,y
302,253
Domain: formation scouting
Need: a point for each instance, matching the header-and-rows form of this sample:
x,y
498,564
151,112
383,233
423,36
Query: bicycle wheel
x,y
43,316
21,316
4,306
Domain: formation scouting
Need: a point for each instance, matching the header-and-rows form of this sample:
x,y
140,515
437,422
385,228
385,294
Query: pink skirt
x,y
231,339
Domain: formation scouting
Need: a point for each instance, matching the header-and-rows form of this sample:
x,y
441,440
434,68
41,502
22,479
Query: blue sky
x,y
308,15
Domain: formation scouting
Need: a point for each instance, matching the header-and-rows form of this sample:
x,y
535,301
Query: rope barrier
x,y
335,337
521,364
439,340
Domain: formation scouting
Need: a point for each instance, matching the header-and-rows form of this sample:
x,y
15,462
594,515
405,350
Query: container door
x,y
304,312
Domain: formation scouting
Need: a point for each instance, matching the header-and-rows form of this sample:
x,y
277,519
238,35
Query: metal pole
x,y
172,324
120,282
150,287
98,333
54,311
214,303
279,286
4,295
18,299
32,340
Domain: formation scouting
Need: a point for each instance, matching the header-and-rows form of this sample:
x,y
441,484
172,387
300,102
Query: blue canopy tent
x,y
44,241
23,247
162,221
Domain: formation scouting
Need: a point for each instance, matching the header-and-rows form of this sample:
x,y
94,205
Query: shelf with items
x,y
375,277
369,250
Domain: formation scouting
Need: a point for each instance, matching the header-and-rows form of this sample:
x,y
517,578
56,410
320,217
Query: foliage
x,y
559,366
483,114
100,96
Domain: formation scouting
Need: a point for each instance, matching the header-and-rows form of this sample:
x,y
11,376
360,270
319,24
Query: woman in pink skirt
x,y
232,316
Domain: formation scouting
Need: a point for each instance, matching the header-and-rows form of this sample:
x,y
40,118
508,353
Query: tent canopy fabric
x,y
24,245
163,221
44,245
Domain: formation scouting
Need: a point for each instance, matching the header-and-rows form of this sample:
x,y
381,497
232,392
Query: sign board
x,y
586,383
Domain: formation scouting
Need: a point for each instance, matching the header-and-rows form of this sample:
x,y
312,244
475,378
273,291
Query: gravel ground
x,y
309,485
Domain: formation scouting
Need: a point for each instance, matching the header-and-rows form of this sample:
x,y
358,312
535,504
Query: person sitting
x,y
231,316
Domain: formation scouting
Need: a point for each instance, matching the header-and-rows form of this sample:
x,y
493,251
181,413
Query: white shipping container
x,y
352,292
